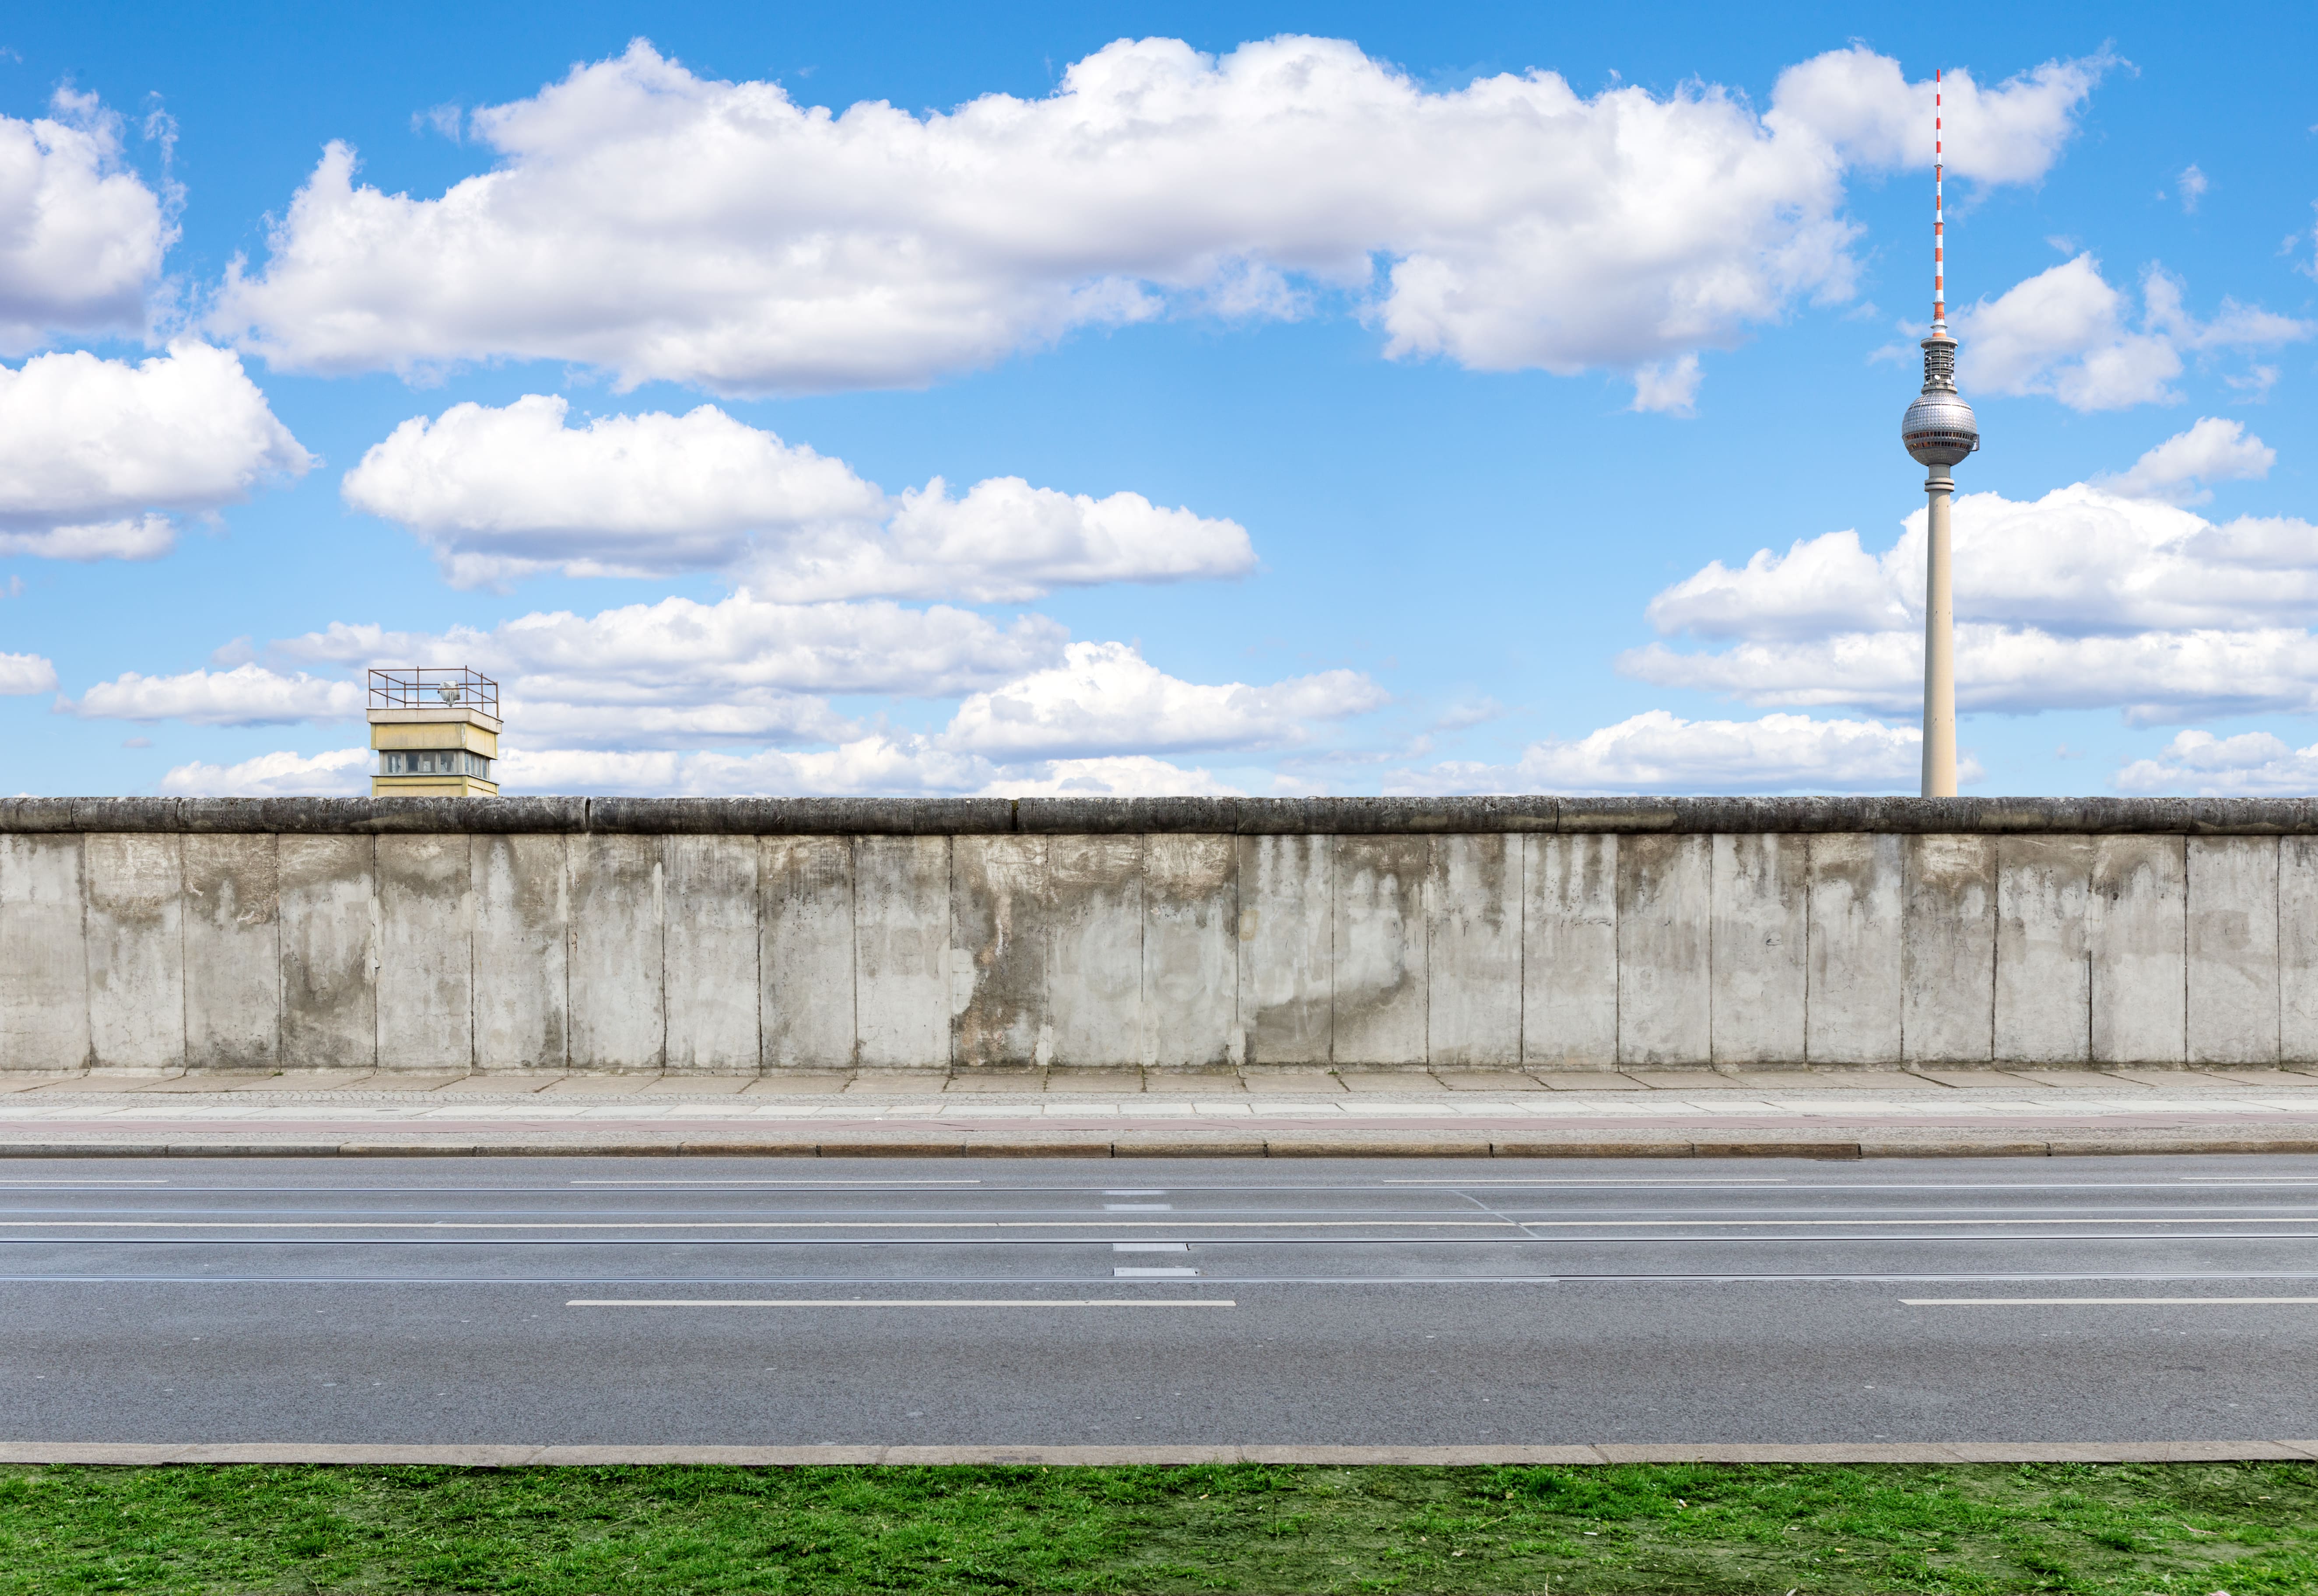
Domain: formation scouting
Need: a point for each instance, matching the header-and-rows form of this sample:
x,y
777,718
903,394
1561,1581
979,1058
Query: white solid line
x,y
775,1182
1126,1272
2098,1302
900,1302
1179,1221
1609,1180
1150,1246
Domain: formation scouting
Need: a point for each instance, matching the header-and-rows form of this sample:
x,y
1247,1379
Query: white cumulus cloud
x,y
343,773
1107,699
1659,752
2082,599
646,219
499,493
2252,765
2177,470
245,696
875,766
81,235
22,674
96,455
2068,333
680,673
2010,133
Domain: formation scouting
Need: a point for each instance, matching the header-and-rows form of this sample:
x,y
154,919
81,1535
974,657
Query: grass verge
x,y
2185,1529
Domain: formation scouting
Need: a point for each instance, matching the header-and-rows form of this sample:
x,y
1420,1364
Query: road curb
x,y
1998,1144
1917,1453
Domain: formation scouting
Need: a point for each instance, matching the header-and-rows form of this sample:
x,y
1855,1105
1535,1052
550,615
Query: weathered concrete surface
x,y
901,939
329,952
713,986
619,954
806,956
1569,952
2044,904
1000,932
232,916
1858,964
136,943
1948,914
1191,953
425,953
1250,817
2297,949
1473,896
1286,930
1094,963
523,932
1664,990
2135,943
1378,989
43,953
1757,938
2232,950
707,951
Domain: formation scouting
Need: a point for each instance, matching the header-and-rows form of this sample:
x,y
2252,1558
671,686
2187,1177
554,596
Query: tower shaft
x,y
1939,641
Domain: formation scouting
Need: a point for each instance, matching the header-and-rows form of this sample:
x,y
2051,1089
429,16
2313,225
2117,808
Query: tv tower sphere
x,y
1939,428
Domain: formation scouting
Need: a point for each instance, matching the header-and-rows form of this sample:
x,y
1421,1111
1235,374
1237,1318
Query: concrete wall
x,y
730,938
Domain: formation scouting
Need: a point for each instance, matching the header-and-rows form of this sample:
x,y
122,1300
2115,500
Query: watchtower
x,y
437,730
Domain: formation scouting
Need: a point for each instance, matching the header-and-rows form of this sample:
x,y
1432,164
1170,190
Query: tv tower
x,y
1939,431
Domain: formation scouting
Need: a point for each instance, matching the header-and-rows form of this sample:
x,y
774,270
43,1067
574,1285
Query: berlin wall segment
x,y
726,936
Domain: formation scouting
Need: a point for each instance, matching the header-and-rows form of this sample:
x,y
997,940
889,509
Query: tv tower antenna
x,y
1939,431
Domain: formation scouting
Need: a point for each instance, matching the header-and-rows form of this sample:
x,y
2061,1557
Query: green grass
x,y
2185,1529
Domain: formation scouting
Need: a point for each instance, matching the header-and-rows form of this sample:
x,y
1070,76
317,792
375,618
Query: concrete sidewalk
x,y
1251,1112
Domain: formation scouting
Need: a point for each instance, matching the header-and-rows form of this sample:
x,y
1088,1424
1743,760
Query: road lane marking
x,y
1178,1222
900,1302
1150,1246
1596,1180
736,1182
1125,1272
2100,1301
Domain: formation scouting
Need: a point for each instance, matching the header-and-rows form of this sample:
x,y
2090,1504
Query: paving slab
x,y
797,1082
1020,1082
1319,1083
303,1081
699,1086
1396,1082
1105,1083
1586,1080
1205,1082
1980,1079
497,1083
894,1082
599,1086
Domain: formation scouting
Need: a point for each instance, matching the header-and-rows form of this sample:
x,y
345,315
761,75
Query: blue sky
x,y
1365,399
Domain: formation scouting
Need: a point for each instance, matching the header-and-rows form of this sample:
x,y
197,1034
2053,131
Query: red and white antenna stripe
x,y
1939,214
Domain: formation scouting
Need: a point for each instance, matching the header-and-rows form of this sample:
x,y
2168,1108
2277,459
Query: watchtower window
x,y
433,762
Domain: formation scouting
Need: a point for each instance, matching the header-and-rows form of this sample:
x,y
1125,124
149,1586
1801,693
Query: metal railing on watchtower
x,y
433,686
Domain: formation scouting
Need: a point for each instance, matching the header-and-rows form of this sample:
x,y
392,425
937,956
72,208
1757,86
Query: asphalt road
x,y
998,1302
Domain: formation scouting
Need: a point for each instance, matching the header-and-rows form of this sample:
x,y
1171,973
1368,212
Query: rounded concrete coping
x,y
1228,816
